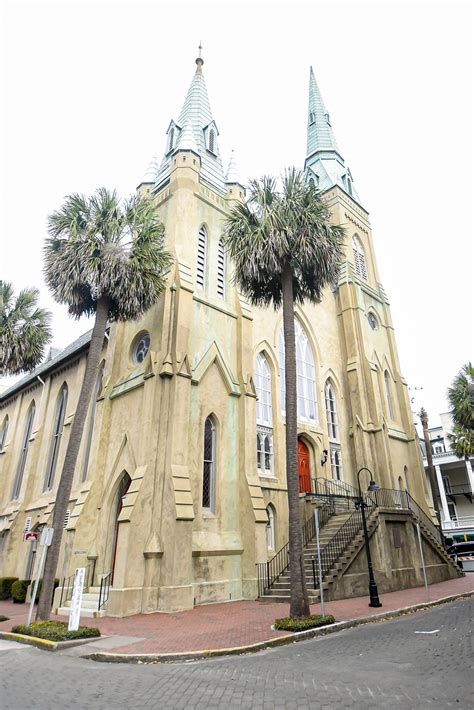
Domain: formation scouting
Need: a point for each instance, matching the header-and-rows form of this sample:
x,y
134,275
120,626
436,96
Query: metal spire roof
x,y
195,125
232,174
324,162
320,135
151,171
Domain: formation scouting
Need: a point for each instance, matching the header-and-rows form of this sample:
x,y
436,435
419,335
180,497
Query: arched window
x,y
171,140
388,392
305,377
209,466
263,387
331,413
271,527
90,430
405,474
359,257
212,140
201,258
56,438
30,417
3,432
221,268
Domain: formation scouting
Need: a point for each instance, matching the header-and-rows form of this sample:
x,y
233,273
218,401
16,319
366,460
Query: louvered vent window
x,y
27,527
3,433
359,257
56,438
212,139
201,258
66,519
24,451
221,269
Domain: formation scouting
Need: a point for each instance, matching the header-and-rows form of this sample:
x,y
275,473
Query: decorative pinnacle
x,y
199,60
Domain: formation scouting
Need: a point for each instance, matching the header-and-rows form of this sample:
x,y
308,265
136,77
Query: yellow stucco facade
x,y
170,545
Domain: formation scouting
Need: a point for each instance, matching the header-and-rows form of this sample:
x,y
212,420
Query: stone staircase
x,y
89,605
280,588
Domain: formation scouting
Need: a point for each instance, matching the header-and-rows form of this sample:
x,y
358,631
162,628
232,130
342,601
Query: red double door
x,y
304,472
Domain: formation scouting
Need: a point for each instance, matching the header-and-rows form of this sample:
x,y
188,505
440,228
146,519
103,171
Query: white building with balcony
x,y
455,481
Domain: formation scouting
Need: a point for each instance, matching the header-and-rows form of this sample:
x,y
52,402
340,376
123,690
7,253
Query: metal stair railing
x,y
338,489
332,551
104,589
269,572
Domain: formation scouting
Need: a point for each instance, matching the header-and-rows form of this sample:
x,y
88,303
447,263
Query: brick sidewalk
x,y
231,624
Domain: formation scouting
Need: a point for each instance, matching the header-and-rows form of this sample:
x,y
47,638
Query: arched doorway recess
x,y
304,468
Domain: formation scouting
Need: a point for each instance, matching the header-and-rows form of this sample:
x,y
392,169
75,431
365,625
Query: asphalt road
x,y
423,660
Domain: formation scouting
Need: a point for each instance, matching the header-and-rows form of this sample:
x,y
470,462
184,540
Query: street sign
x,y
31,536
76,600
47,536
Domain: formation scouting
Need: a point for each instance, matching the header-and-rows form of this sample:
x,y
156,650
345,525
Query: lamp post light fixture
x,y
373,592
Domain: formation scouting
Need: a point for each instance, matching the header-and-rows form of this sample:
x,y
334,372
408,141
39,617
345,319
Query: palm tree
x,y
24,330
284,251
461,399
103,258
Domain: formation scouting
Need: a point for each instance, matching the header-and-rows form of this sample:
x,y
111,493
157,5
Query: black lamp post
x,y
373,592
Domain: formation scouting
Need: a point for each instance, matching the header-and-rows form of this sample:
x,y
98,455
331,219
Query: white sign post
x,y
423,561
45,542
76,600
320,571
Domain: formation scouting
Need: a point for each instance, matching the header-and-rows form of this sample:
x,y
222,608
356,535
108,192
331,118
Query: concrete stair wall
x,y
280,589
89,605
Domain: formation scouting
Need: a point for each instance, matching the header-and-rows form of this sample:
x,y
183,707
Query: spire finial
x,y
199,60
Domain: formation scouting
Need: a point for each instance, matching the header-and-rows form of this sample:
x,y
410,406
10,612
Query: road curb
x,y
45,644
269,643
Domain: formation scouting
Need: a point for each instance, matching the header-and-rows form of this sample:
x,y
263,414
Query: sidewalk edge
x,y
269,643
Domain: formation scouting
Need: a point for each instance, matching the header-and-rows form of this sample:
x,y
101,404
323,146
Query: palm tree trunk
x,y
299,605
67,474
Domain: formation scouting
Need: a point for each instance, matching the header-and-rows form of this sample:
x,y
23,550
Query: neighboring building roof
x,y
47,366
324,162
189,133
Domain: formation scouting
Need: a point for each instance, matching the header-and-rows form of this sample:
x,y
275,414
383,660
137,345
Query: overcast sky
x,y
88,90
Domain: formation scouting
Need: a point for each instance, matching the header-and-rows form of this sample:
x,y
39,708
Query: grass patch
x,y
55,631
310,622
4,618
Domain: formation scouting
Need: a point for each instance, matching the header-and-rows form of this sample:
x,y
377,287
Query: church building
x,y
180,487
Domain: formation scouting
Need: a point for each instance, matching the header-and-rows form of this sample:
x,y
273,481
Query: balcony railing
x,y
457,489
466,521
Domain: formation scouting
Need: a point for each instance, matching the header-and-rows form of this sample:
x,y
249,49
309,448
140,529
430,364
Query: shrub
x,y
19,590
4,618
310,622
55,631
20,587
6,587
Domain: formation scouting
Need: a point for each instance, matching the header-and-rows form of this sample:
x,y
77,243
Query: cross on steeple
x,y
199,60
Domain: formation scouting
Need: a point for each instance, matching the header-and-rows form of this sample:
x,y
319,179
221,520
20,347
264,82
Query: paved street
x,y
382,665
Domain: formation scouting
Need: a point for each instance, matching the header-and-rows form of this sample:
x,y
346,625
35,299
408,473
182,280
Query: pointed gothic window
x,y
388,392
171,140
331,413
212,140
24,451
271,527
209,466
3,432
201,258
359,257
221,268
263,387
305,375
90,430
56,438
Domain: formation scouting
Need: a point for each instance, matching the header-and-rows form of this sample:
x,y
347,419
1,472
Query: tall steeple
x,y
195,130
324,162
